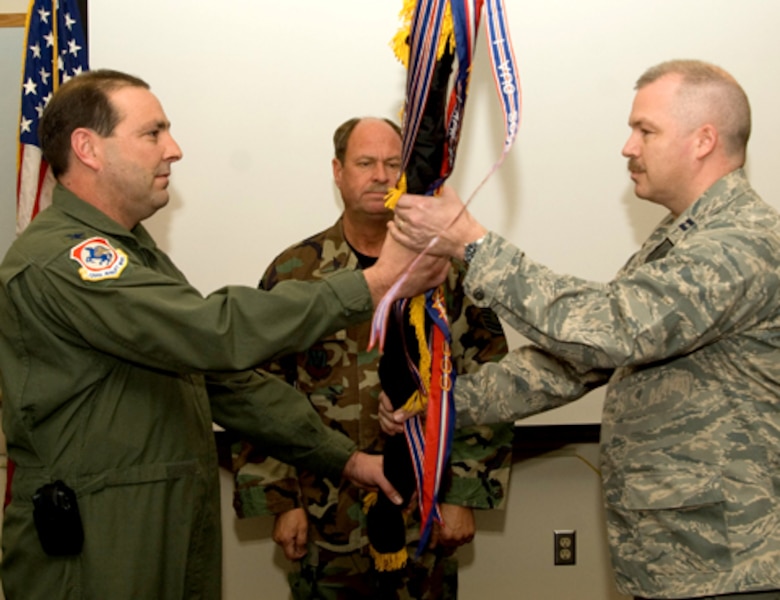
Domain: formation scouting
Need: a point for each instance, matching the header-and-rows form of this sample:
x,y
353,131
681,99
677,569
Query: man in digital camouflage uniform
x,y
320,523
686,337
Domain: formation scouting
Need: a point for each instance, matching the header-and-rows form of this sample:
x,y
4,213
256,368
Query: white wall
x,y
255,89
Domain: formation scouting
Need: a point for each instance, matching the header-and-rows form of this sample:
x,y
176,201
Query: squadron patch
x,y
98,259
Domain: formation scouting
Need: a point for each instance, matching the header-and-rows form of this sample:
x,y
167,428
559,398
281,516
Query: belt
x,y
26,480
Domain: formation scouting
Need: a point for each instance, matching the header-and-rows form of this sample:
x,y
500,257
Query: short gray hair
x,y
709,92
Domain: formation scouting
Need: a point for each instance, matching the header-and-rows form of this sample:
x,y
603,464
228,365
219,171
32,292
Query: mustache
x,y
380,189
634,166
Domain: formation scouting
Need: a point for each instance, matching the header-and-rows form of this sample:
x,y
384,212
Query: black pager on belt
x,y
57,519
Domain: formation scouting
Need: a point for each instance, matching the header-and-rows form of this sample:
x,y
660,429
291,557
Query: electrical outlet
x,y
565,546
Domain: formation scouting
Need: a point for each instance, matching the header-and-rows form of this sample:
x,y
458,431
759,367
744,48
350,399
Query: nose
x,y
381,172
173,152
630,147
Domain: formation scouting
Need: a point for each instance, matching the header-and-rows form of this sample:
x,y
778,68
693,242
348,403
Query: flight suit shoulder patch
x,y
98,259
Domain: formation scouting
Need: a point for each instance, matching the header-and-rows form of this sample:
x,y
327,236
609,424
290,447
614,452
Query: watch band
x,y
471,249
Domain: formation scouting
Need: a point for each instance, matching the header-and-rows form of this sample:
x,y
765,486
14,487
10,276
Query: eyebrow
x,y
373,157
155,124
640,122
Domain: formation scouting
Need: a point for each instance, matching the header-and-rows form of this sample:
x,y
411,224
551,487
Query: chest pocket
x,y
677,522
322,359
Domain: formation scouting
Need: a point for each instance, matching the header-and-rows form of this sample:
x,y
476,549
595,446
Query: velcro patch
x,y
98,259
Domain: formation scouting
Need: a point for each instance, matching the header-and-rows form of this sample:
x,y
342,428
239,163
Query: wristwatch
x,y
471,249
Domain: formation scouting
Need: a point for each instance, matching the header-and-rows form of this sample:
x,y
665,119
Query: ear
x,y
337,168
85,145
706,140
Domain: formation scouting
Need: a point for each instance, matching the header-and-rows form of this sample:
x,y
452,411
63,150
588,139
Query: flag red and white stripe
x,y
54,51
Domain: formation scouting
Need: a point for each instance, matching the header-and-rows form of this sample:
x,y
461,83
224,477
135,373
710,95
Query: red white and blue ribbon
x,y
422,59
430,444
439,421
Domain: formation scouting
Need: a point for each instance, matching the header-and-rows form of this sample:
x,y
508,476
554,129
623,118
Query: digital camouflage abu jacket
x,y
687,339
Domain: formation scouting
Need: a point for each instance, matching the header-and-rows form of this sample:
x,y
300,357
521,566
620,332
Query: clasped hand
x,y
458,526
439,225
392,421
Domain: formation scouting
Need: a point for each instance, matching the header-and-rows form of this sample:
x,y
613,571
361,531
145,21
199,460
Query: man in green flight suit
x,y
114,367
319,522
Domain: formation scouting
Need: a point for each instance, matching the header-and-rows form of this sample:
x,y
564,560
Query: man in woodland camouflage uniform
x,y
320,524
686,337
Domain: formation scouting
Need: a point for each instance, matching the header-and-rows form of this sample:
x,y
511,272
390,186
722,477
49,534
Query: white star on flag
x,y
73,47
54,55
29,87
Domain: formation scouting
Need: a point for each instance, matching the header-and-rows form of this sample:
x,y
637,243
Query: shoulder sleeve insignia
x,y
98,259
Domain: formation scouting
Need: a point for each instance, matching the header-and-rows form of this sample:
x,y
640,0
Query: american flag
x,y
50,24
55,50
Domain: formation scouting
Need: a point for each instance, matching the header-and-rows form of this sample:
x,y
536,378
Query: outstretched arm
x,y
280,420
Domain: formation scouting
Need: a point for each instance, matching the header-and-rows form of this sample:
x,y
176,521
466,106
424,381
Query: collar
x,y
671,230
336,234
79,210
719,195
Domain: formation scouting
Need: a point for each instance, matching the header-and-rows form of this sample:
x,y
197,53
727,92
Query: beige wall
x,y
254,101
3,463
512,553
13,6
256,129
10,46
11,40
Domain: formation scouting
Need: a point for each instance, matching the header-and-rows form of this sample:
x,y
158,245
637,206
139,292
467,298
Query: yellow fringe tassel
x,y
394,194
389,562
416,402
400,42
368,501
417,320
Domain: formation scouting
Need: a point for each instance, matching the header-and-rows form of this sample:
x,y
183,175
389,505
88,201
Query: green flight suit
x,y
113,369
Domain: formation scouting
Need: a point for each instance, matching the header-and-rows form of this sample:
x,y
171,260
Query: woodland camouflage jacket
x,y
339,375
